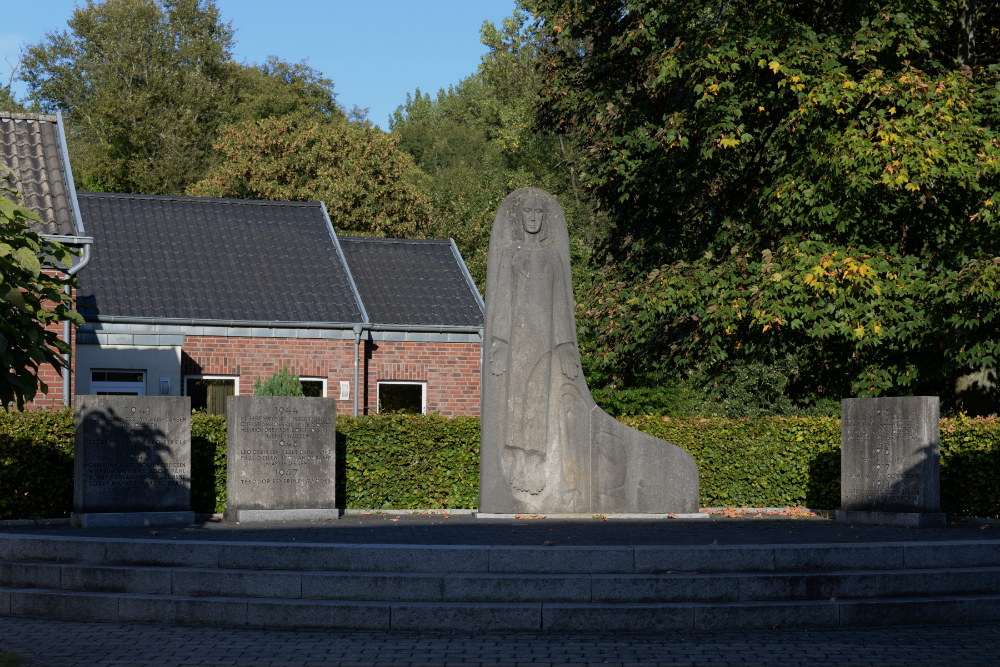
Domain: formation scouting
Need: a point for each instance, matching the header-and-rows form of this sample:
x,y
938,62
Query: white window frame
x,y
307,378
117,387
423,393
234,378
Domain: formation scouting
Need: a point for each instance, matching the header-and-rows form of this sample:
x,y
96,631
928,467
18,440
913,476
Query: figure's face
x,y
532,215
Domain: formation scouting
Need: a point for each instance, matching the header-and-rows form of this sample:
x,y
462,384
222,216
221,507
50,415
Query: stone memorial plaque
x,y
132,460
890,461
281,458
546,446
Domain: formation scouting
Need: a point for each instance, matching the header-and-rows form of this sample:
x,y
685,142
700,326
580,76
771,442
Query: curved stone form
x,y
546,445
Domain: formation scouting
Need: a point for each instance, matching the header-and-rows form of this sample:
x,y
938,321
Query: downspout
x,y
357,353
84,260
67,327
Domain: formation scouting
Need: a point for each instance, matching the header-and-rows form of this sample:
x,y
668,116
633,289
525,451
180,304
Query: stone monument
x,y
890,461
546,445
281,456
132,461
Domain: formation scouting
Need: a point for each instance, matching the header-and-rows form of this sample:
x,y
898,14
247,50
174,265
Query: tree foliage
x,y
32,296
146,86
479,140
356,169
810,184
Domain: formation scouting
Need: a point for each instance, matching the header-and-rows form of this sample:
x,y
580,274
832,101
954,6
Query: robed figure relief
x,y
546,446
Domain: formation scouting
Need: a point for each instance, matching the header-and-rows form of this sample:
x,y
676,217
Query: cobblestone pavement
x,y
53,643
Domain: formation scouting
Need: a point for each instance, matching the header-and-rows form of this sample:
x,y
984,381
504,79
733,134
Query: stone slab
x,y
469,617
905,611
183,610
556,559
115,578
132,454
30,575
890,460
517,588
126,519
912,519
747,615
161,552
951,554
662,559
281,456
417,587
64,604
279,516
665,588
839,557
214,582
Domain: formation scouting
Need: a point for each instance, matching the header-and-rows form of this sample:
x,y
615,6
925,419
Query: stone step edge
x,y
502,558
480,617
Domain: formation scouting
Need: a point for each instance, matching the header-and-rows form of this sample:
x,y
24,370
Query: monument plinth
x,y
890,461
546,445
281,459
132,461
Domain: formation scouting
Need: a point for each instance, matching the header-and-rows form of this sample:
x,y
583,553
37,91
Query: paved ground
x,y
406,528
52,643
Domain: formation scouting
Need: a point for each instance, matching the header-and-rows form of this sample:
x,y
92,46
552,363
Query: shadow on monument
x,y
125,465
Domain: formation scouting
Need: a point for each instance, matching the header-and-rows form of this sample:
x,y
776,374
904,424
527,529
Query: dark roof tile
x,y
195,258
32,146
411,281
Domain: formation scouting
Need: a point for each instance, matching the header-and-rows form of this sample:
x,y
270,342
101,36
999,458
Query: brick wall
x,y
48,375
451,370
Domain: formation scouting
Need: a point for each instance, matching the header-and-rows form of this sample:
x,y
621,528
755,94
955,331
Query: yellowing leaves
x,y
774,65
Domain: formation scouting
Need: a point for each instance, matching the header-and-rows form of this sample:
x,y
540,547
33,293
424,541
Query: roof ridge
x,y
19,115
199,200
393,239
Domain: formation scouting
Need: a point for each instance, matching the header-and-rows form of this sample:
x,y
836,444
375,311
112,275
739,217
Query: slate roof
x,y
33,146
414,282
192,258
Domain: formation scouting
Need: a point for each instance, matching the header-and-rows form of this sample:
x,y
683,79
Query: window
x,y
405,397
118,383
209,392
313,386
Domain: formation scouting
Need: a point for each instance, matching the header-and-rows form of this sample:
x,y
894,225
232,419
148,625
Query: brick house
x,y
201,297
33,148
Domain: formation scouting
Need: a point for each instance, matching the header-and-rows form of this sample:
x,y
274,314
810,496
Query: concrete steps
x,y
499,588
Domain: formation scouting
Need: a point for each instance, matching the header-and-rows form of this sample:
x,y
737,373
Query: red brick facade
x,y
450,370
48,375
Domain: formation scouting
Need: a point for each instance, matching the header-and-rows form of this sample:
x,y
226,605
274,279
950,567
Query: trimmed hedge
x,y
36,464
417,461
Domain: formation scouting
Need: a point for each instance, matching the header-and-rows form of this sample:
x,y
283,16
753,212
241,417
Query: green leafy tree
x,y
32,297
353,167
478,141
798,183
142,84
282,383
146,86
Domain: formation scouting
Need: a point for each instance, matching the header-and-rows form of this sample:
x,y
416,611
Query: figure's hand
x,y
498,357
568,360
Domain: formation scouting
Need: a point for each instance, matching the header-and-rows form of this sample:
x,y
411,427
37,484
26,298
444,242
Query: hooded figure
x,y
538,417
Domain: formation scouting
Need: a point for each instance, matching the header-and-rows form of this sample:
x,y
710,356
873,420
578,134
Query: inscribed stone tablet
x,y
281,454
890,451
132,454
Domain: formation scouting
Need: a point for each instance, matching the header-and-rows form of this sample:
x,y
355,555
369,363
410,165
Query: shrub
x,y
281,383
36,464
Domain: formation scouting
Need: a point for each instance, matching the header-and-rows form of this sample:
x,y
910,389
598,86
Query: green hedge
x,y
36,464
415,461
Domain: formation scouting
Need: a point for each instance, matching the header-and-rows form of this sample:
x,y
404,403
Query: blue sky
x,y
375,51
